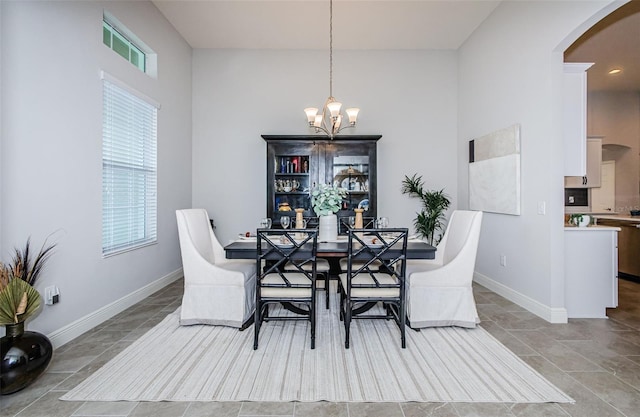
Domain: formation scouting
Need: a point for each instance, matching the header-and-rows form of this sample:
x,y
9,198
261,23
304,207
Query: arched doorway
x,y
613,115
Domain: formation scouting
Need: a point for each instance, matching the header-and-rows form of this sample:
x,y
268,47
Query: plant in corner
x,y
434,206
19,300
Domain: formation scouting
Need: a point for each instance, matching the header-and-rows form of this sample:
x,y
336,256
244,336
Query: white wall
x,y
409,97
426,104
510,72
52,55
1,131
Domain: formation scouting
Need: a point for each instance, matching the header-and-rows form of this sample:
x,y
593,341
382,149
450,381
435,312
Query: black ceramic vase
x,y
25,355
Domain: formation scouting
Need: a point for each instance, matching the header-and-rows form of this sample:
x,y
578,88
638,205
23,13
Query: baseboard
x,y
71,331
550,314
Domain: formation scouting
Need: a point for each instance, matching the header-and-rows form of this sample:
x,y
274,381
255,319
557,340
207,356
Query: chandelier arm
x,y
322,129
344,127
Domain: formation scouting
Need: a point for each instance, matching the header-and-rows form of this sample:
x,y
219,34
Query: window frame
x,y
132,46
124,173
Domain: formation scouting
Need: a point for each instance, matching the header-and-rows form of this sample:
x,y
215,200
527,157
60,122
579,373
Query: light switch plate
x,y
542,207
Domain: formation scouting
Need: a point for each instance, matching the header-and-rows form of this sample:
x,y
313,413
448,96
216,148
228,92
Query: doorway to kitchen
x,y
613,114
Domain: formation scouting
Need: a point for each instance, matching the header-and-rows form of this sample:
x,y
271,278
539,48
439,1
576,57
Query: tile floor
x,y
595,361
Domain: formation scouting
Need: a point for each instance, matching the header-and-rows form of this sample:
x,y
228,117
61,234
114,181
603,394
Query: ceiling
x,y
304,24
391,24
614,42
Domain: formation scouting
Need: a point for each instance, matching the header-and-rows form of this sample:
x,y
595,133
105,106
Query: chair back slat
x,y
375,247
343,224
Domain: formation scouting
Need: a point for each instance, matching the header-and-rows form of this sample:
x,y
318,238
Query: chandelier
x,y
330,120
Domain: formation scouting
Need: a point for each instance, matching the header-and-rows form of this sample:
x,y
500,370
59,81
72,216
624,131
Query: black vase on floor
x,y
25,355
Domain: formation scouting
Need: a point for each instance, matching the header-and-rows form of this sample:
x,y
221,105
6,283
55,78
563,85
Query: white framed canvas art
x,y
494,172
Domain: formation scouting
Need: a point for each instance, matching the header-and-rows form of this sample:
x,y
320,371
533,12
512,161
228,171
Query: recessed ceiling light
x,y
615,71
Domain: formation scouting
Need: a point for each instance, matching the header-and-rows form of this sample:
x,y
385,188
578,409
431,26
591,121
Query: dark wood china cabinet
x,y
296,164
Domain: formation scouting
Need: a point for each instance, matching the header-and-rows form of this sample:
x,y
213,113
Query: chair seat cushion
x,y
285,292
371,292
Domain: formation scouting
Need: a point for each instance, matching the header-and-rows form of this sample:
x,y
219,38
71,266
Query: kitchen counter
x,y
593,228
591,271
621,218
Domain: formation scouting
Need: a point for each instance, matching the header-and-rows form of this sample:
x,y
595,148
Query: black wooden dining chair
x,y
367,223
323,267
286,264
343,224
375,276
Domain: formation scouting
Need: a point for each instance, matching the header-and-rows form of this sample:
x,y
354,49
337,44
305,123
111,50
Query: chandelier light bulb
x,y
311,114
334,108
352,112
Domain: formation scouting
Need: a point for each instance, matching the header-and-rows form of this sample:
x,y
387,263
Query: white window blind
x,y
129,170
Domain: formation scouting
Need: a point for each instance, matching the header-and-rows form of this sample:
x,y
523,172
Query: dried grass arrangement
x,y
18,298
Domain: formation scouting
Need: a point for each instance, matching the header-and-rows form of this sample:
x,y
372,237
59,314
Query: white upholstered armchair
x,y
216,290
439,291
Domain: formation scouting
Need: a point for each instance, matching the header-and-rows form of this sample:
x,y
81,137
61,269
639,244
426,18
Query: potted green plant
x,y
30,351
579,219
326,201
434,207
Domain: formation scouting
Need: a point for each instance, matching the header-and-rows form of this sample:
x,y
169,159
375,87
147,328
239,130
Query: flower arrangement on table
x,y
327,199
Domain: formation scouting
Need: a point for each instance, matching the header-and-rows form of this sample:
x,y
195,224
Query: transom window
x,y
112,38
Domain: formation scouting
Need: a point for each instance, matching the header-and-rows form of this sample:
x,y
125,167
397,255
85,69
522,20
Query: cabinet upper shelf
x,y
292,174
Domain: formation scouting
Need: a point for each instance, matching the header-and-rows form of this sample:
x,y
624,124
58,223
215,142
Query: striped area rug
x,y
210,363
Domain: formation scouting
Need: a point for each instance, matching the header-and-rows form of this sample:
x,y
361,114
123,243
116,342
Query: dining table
x,y
246,248
333,251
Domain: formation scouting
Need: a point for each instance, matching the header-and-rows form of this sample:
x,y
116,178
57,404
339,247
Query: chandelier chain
x,y
330,48
330,119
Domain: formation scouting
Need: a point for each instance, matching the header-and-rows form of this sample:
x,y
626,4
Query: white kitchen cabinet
x,y
592,177
574,117
603,198
591,270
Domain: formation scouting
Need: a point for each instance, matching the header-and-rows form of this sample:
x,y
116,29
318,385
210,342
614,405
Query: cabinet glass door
x,y
291,183
351,172
292,174
352,167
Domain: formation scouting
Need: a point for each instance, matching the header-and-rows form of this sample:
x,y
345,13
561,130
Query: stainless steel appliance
x,y
576,200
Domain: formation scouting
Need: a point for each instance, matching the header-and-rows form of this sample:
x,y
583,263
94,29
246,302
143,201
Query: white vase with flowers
x,y
326,201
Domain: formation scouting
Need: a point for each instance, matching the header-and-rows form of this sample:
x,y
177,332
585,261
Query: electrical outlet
x,y
503,260
51,295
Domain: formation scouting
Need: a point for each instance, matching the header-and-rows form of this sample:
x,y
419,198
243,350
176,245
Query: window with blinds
x,y
129,170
